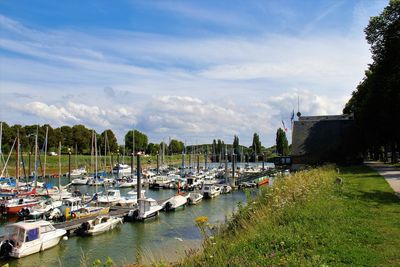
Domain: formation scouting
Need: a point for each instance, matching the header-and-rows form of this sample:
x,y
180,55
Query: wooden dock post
x,y
139,172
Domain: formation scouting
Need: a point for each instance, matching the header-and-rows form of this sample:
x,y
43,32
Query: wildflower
x,y
201,219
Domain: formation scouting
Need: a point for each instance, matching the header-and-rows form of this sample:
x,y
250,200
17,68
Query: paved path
x,y
390,173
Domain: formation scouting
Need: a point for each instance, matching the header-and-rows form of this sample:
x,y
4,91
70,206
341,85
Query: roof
x,y
29,225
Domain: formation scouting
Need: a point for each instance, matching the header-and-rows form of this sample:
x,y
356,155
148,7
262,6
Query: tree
x,y
108,141
374,103
256,144
281,143
152,149
176,146
82,137
141,141
236,146
67,136
7,138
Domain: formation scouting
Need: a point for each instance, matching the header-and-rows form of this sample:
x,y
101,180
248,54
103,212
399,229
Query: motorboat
x,y
193,183
162,181
175,202
194,198
130,199
73,207
81,181
126,182
122,170
112,197
26,238
78,172
98,225
210,190
225,189
13,206
39,210
147,208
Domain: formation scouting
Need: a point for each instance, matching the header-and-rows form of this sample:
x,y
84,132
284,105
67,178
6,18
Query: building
x,y
322,139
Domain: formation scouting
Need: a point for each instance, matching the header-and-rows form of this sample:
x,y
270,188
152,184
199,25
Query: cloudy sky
x,y
192,70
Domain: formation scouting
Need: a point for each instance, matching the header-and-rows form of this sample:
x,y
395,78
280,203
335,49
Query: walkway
x,y
390,173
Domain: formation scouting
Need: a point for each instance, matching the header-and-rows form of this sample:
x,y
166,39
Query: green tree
x,y
141,141
175,146
82,137
256,144
236,146
107,138
281,143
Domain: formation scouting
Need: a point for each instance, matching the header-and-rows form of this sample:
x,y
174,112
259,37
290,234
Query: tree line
x,y
376,101
78,139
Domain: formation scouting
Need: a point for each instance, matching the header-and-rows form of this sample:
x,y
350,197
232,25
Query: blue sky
x,y
193,70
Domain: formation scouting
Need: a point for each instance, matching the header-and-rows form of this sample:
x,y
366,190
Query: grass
x,y
309,220
76,161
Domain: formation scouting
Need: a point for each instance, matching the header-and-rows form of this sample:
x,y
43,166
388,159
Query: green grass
x,y
308,220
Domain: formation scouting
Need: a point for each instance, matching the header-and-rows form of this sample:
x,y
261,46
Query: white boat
x,y
162,182
193,182
98,225
210,190
225,189
194,198
81,181
175,202
125,183
26,238
130,199
39,210
147,208
112,197
78,172
121,170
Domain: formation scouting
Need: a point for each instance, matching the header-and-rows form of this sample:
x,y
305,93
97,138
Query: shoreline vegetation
x,y
308,219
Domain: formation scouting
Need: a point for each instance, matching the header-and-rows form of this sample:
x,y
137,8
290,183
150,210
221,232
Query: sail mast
x,y
17,162
95,145
45,152
59,166
36,150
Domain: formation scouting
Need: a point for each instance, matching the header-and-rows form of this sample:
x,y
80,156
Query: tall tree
x,y
108,138
82,137
141,141
281,143
256,144
175,146
236,146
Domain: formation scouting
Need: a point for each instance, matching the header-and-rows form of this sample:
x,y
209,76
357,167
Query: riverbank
x,y
308,219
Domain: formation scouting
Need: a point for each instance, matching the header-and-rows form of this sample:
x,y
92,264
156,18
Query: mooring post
x,y
263,161
198,163
69,164
206,159
183,164
132,163
233,168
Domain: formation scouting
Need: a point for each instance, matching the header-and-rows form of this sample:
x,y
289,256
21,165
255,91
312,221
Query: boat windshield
x,y
15,234
111,193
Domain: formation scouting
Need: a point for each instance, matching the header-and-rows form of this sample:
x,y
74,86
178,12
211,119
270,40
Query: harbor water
x,y
164,238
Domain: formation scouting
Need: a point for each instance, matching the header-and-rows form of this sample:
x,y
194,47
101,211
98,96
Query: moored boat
x,y
26,238
98,225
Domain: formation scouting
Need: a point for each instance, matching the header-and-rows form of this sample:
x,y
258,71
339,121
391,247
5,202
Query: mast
x,y
17,162
133,152
59,166
45,152
36,154
95,145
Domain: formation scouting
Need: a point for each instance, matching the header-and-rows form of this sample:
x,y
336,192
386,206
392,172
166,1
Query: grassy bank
x,y
309,220
103,163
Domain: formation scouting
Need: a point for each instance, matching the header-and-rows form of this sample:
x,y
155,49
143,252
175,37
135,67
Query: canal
x,y
165,238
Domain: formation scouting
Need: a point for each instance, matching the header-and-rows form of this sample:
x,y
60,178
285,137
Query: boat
x,y
175,202
39,210
210,190
126,182
13,206
225,189
73,207
78,172
194,198
98,225
147,208
26,238
130,199
162,182
112,197
193,183
122,170
81,181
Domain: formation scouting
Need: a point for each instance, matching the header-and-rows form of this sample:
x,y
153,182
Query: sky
x,y
191,70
